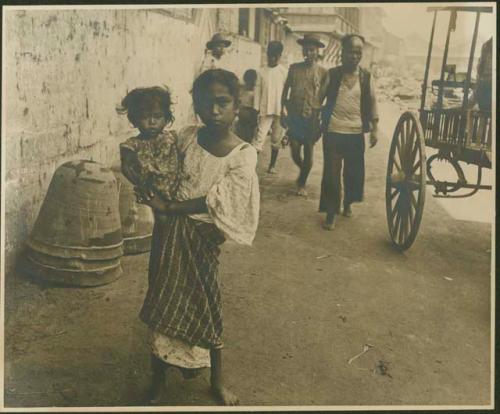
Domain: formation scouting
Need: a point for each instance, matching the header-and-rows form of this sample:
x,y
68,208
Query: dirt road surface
x,y
298,306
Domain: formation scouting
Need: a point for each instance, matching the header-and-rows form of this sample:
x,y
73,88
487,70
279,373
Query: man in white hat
x,y
303,95
215,53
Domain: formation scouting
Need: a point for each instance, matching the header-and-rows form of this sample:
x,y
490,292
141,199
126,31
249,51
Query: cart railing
x,y
479,125
454,127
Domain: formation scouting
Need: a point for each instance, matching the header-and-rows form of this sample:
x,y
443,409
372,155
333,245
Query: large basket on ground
x,y
136,219
77,237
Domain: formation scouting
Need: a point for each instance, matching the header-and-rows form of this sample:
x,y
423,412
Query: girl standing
x,y
217,198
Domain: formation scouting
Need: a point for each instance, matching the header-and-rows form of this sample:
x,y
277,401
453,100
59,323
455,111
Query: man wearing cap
x,y
350,112
306,83
215,53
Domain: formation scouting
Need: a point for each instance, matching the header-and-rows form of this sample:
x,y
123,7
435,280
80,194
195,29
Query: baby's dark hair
x,y
221,76
143,98
346,40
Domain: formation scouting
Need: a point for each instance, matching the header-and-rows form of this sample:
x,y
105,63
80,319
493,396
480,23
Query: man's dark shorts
x,y
303,129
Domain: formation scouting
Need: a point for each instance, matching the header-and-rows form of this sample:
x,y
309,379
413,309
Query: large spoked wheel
x,y
406,180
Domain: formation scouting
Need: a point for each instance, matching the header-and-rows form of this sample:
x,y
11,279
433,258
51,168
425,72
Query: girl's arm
x,y
193,206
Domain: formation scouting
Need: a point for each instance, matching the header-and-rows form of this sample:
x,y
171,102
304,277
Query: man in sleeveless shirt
x,y
350,112
300,114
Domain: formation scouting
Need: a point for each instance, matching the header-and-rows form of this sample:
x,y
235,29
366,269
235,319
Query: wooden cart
x,y
459,134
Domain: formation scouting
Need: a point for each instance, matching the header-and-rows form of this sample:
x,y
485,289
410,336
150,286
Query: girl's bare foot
x,y
153,396
159,369
224,396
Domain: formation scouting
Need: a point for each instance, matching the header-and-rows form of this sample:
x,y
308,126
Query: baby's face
x,y
151,121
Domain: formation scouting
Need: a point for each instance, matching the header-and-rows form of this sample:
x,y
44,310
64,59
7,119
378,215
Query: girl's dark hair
x,y
140,99
221,76
346,40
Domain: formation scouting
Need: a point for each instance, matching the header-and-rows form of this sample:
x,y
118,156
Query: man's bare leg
x,y
295,151
306,168
274,158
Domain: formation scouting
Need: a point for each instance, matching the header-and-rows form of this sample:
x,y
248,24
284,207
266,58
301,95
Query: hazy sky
x,y
405,18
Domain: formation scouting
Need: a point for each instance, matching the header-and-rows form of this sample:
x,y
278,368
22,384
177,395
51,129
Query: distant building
x,y
332,23
371,27
382,46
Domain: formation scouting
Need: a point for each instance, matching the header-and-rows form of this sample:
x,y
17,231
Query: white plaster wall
x,y
64,74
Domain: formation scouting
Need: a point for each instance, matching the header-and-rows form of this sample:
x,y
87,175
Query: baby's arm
x,y
129,166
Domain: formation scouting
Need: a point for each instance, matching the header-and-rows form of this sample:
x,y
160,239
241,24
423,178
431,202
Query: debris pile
x,y
402,89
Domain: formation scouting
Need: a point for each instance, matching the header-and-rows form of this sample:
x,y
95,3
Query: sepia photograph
x,y
248,207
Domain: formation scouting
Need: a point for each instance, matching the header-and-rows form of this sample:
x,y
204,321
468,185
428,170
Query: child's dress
x,y
183,304
156,161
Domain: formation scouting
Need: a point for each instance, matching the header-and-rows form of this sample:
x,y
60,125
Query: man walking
x,y
270,83
350,111
306,82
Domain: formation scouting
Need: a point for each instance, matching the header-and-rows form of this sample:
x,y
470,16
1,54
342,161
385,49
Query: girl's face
x,y
151,121
217,108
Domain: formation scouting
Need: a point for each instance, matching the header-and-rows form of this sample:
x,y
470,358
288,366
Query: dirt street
x,y
298,306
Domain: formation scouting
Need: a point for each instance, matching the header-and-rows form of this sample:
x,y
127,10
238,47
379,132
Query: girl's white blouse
x,y
230,184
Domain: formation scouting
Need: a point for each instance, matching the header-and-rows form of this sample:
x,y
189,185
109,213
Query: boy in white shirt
x,y
268,91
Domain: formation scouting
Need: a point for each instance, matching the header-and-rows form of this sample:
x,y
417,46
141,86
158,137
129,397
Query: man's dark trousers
x,y
348,149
